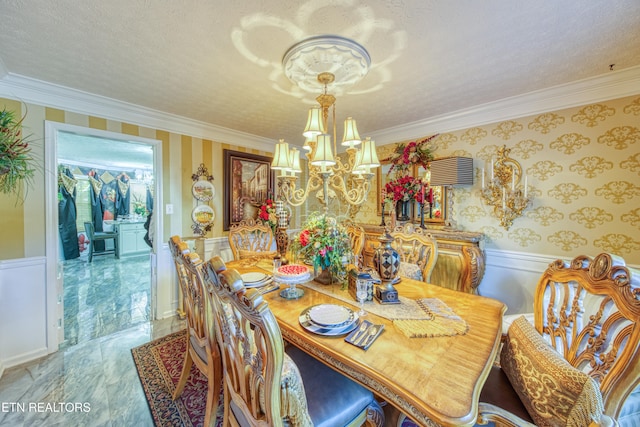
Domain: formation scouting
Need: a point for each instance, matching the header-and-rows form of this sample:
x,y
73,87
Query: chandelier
x,y
317,63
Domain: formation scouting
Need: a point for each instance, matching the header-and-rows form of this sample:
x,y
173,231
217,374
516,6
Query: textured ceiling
x,y
220,62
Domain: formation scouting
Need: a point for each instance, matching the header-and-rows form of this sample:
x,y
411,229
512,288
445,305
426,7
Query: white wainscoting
x,y
23,311
511,277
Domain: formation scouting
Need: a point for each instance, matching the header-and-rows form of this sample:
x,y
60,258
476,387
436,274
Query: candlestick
x,y
431,196
525,186
492,171
504,199
513,180
483,178
422,193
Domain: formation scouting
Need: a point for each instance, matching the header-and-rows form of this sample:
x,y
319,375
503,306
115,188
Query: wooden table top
x,y
429,379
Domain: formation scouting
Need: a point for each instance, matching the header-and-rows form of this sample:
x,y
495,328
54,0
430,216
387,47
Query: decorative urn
x,y
387,263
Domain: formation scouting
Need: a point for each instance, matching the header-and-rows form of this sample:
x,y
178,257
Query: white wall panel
x,y
23,310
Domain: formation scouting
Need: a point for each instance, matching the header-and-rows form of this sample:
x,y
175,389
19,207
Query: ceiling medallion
x,y
347,60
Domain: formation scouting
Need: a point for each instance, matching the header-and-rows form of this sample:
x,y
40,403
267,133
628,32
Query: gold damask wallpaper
x,y
583,169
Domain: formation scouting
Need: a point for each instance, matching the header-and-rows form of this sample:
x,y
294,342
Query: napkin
x,y
363,338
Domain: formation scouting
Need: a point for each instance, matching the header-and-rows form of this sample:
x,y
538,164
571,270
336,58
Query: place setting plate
x,y
255,279
329,319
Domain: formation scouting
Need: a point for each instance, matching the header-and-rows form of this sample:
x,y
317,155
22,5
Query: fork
x,y
360,333
373,331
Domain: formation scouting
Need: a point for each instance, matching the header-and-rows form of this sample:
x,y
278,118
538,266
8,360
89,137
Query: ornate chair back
x,y
357,236
418,251
253,356
589,311
202,347
251,238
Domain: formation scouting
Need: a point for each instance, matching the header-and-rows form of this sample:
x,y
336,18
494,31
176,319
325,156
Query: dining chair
x,y
582,352
94,235
202,346
251,238
418,252
270,384
357,236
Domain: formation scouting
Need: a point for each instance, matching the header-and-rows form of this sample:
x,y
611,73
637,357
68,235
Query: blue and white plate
x,y
331,330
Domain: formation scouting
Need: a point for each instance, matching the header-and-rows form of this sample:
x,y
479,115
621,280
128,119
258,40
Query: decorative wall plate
x,y
203,190
203,215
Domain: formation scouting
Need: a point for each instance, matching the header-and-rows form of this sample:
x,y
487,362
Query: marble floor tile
x,y
96,377
91,380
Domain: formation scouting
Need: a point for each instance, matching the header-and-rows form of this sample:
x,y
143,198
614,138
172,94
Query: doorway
x,y
89,292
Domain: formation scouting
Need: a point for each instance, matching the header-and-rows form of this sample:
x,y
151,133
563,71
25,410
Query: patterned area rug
x,y
159,364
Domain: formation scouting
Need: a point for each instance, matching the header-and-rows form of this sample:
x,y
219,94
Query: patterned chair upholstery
x,y
251,238
587,313
418,252
202,346
266,384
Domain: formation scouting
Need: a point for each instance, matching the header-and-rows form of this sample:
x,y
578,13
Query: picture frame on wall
x,y
248,182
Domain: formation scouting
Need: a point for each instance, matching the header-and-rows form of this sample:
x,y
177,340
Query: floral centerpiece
x,y
267,214
15,154
324,243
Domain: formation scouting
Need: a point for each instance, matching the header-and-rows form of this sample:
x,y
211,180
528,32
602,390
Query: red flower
x,y
304,237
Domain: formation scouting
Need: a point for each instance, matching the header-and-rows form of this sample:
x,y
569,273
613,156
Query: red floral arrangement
x,y
405,188
413,153
267,214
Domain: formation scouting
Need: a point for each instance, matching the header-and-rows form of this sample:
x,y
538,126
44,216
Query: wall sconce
x,y
504,192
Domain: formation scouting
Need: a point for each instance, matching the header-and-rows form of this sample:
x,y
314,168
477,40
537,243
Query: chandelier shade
x,y
281,157
315,123
368,157
294,161
351,136
323,156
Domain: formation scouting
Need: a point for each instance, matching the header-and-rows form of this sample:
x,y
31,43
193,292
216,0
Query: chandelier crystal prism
x,y
315,64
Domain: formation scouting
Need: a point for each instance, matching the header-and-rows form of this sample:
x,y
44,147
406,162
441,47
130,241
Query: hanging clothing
x,y
97,207
149,200
67,214
108,196
123,195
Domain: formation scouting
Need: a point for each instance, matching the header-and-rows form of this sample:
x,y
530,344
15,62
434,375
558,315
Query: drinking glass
x,y
277,262
362,291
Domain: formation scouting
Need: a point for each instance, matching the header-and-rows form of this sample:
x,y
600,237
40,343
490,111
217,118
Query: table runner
x,y
426,317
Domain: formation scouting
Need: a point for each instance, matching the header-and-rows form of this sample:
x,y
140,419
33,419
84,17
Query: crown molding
x,y
47,94
613,85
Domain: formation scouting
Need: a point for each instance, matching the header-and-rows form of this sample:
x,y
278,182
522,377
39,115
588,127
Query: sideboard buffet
x,y
461,261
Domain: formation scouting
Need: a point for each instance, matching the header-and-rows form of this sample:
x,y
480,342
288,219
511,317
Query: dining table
x,y
433,378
